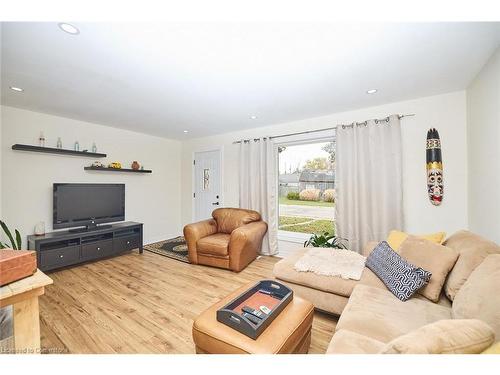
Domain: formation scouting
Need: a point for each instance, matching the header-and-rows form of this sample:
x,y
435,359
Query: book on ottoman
x,y
16,265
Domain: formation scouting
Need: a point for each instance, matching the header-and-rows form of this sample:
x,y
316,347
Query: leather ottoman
x,y
289,333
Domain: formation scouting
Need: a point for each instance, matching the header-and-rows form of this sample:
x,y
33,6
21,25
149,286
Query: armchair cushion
x,y
193,232
232,239
215,244
245,244
228,219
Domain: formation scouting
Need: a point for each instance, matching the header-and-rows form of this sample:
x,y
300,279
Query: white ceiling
x,y
210,78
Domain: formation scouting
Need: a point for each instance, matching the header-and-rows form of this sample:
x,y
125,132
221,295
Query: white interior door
x,y
207,183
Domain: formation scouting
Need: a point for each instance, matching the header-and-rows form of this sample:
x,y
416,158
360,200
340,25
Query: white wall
x,y
1,168
483,130
1,236
445,112
27,177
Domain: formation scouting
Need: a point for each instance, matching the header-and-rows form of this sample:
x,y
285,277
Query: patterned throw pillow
x,y
400,277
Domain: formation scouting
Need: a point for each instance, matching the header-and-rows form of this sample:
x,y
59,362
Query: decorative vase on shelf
x,y
40,228
59,143
41,140
135,165
94,148
77,146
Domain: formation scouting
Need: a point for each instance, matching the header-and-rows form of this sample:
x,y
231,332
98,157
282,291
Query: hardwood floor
x,y
142,304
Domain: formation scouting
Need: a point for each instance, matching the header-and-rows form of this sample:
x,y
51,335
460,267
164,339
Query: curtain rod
x,y
321,130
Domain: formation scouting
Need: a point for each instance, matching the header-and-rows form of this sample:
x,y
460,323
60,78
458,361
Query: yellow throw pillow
x,y
493,349
396,238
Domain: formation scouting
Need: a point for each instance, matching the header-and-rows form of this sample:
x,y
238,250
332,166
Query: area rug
x,y
175,248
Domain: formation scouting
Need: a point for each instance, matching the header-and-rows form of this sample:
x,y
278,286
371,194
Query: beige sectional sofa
x,y
371,316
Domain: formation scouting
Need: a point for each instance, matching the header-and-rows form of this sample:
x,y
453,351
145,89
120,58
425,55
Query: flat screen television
x,y
77,205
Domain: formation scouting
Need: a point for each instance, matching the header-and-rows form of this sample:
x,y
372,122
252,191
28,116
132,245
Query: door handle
x,y
215,204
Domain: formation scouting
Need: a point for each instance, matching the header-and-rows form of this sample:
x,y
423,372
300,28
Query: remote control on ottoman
x,y
254,312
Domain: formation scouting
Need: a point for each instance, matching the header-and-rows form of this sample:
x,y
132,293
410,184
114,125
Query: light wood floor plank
x,y
143,304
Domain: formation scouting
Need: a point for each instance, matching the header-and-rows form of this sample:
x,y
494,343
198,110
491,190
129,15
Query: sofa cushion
x,y
473,249
370,279
396,238
376,313
443,300
325,301
435,258
284,270
216,244
479,297
369,247
347,342
401,278
449,336
228,219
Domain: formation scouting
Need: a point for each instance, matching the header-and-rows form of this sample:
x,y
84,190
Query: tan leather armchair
x,y
232,239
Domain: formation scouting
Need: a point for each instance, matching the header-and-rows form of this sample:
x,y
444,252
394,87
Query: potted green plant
x,y
326,240
15,244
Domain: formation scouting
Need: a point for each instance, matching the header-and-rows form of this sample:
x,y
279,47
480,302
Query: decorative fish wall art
x,y
435,186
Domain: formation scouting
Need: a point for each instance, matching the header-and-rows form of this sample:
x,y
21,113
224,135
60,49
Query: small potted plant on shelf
x,y
326,240
15,243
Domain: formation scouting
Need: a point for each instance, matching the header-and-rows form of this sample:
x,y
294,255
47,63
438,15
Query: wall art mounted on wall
x,y
435,186
206,179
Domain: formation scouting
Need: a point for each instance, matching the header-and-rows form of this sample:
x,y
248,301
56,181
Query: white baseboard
x,y
296,237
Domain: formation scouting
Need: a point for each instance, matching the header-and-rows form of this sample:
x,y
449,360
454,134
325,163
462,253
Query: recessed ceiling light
x,y
70,29
186,131
253,117
18,89
372,91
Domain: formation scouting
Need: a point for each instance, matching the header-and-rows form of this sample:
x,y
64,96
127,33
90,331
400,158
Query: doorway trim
x,y
221,177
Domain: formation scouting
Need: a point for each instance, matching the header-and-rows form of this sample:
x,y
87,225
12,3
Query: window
x,y
306,188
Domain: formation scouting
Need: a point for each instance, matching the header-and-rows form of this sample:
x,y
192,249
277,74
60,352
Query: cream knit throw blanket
x,y
346,264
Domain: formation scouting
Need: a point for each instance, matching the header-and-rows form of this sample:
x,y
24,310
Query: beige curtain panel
x,y
368,183
258,188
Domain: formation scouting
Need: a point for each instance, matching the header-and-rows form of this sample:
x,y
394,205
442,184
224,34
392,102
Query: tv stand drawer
x,y
126,243
97,249
64,248
59,258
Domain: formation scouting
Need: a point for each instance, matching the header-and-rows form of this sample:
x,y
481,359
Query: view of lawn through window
x,y
306,188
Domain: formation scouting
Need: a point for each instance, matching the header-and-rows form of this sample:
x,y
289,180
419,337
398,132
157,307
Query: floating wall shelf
x,y
61,151
105,169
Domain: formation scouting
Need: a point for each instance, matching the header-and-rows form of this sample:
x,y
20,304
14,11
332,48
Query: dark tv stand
x,y
89,228
65,248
